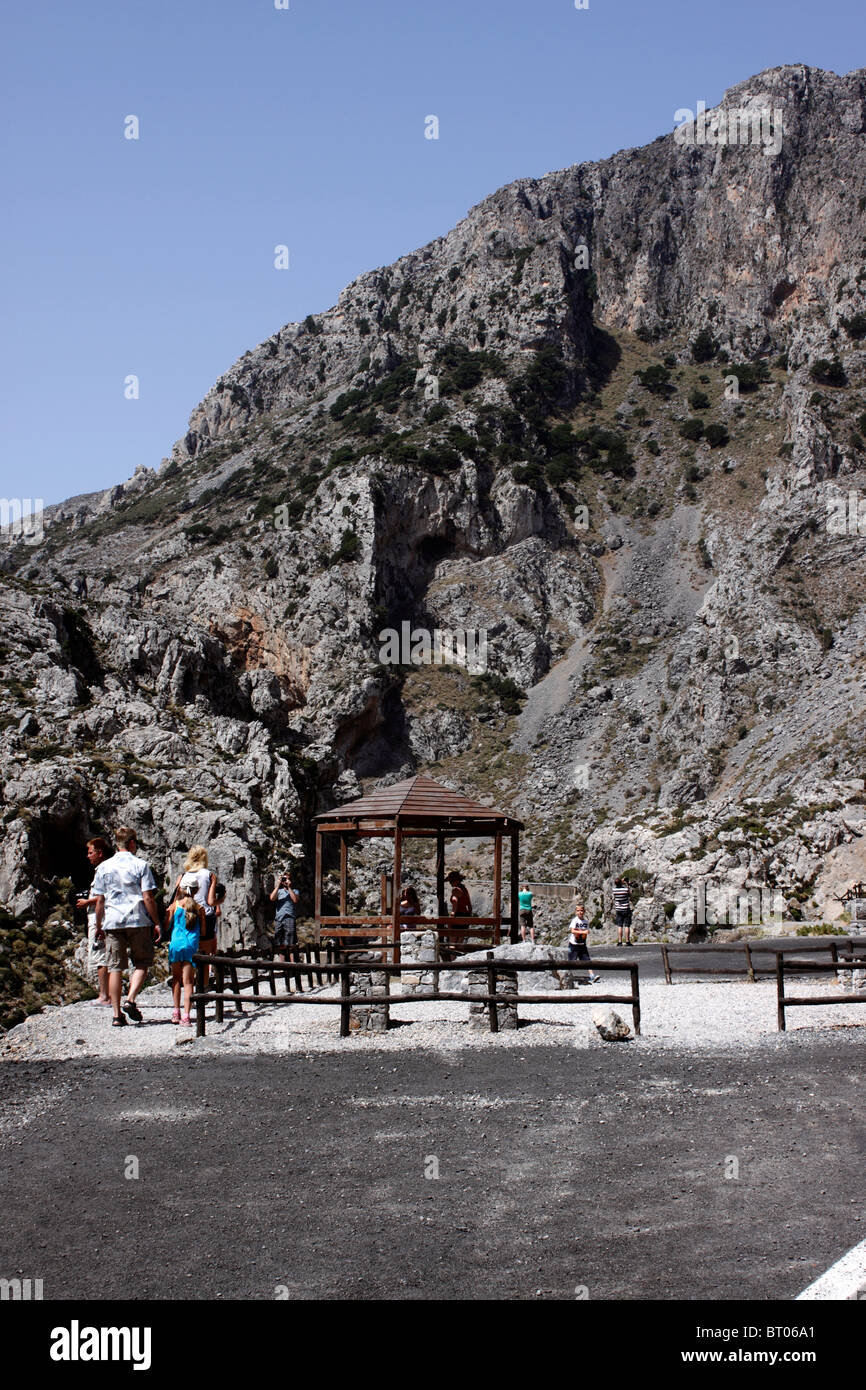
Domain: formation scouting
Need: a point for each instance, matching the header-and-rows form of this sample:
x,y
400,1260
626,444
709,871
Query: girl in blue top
x,y
187,924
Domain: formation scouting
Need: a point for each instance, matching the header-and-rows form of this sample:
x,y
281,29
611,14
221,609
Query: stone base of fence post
x,y
419,950
479,1013
366,979
858,977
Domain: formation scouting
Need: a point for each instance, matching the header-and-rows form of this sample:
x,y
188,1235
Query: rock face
x,y
614,421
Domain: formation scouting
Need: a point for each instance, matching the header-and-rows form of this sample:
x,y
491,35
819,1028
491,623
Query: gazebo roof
x,y
418,800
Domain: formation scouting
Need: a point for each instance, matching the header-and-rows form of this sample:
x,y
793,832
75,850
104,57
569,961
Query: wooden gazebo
x,y
418,808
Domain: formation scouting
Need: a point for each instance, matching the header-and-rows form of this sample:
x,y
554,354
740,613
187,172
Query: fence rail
x,y
309,960
785,1001
747,949
346,1001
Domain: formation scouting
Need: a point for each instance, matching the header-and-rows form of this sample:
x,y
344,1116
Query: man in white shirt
x,y
128,918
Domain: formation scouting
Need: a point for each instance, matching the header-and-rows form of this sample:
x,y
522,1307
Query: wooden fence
x,y
345,1001
747,950
785,1001
314,962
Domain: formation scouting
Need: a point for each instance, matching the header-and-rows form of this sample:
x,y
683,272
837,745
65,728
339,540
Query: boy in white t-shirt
x,y
578,931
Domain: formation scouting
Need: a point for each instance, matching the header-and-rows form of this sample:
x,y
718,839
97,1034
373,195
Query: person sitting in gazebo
x,y
410,905
461,903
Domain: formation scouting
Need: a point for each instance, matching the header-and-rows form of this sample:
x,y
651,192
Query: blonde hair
x,y
195,859
190,908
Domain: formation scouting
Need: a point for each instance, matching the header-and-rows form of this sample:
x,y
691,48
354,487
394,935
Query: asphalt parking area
x,y
731,1176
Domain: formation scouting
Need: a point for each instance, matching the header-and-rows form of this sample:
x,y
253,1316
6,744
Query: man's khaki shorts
x,y
95,949
134,942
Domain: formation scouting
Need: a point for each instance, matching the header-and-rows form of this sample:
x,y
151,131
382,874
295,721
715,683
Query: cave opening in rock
x,y
63,851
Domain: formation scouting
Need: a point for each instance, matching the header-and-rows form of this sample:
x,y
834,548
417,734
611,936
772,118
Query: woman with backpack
x,y
202,882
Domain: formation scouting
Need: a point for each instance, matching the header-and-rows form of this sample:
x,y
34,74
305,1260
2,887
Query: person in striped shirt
x,y
622,909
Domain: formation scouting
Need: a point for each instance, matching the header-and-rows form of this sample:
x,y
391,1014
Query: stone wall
x,y
420,950
366,979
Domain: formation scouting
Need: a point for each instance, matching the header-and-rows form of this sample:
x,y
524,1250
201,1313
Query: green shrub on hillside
x,y
505,690
692,429
828,373
705,347
750,375
656,379
716,434
855,327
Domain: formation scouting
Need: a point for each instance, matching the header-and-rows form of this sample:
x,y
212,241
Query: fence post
x,y
749,966
666,963
491,989
220,973
199,1003
345,1003
780,991
233,972
635,1008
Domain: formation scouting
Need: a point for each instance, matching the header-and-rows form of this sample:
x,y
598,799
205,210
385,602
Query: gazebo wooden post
x,y
441,905
395,905
317,890
513,933
344,867
497,888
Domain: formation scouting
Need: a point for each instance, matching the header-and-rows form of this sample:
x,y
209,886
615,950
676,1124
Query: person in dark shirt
x,y
285,924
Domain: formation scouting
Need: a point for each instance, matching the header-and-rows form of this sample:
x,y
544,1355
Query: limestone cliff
x,y
616,419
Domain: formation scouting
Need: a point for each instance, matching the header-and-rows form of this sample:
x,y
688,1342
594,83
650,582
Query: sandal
x,y
186,1019
119,1022
175,1015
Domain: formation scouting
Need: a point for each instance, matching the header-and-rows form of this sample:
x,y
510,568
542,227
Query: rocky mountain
x,y
615,420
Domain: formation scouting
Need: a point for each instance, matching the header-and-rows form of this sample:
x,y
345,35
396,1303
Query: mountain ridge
x,y
491,434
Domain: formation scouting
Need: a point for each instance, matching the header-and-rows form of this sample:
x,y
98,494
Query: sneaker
x,y
594,979
133,1011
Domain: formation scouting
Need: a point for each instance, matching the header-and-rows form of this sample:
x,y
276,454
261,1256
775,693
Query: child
x,y
187,925
578,931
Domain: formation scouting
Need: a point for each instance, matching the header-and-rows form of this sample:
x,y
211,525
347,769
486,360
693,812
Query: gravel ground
x,y
693,1015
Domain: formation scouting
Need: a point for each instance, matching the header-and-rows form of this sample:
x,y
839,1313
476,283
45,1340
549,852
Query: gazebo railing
x,y
454,932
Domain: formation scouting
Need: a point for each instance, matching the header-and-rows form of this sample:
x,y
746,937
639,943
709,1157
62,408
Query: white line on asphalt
x,y
846,1279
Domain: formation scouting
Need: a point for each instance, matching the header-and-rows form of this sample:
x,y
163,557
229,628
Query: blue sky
x,y
303,127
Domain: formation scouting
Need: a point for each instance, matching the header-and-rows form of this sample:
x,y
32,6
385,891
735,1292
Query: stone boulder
x,y
534,982
610,1026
